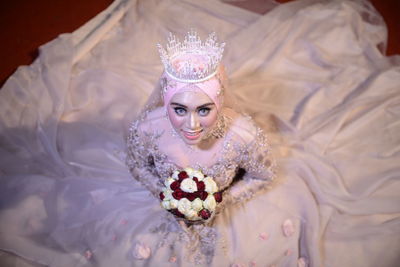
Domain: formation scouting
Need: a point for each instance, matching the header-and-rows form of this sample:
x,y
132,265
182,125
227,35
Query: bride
x,y
195,126
188,123
78,188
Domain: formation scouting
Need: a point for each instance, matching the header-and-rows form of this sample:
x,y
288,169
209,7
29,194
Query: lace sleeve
x,y
139,161
256,159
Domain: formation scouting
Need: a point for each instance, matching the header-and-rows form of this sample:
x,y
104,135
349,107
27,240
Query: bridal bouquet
x,y
190,194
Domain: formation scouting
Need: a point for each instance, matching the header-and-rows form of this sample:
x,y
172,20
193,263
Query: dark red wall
x,y
27,24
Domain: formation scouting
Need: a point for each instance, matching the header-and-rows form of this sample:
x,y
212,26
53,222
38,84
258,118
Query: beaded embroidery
x,y
255,158
149,166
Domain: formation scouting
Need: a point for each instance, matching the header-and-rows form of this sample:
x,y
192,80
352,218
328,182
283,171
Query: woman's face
x,y
192,114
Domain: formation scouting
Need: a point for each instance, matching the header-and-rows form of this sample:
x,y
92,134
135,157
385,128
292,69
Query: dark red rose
x,y
180,190
178,194
205,214
191,196
218,196
195,179
182,175
177,213
203,195
162,196
201,186
175,185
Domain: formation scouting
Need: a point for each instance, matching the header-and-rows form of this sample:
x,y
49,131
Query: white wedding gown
x,y
310,73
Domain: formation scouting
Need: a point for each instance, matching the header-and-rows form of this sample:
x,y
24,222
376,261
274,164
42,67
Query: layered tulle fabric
x,y
310,73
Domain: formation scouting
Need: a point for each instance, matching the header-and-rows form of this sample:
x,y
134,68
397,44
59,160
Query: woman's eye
x,y
204,111
180,111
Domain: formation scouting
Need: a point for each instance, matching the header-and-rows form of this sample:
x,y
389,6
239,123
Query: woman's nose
x,y
194,122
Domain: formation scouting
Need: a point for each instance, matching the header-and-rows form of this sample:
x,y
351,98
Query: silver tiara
x,y
189,72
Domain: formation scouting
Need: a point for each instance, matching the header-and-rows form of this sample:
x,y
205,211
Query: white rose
x,y
188,185
189,171
183,205
198,174
210,203
168,182
191,214
168,194
211,186
166,204
173,203
175,175
197,204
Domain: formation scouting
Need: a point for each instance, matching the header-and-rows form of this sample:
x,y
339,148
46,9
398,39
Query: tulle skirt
x,y
311,75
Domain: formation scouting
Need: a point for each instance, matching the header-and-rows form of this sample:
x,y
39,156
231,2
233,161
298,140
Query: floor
x,y
28,24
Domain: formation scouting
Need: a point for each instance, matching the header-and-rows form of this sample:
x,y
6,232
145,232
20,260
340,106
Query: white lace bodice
x,y
155,151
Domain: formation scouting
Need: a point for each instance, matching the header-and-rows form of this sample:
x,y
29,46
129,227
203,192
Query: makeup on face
x,y
212,88
192,115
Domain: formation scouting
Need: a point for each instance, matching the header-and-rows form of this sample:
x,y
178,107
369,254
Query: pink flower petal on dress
x,y
141,252
88,254
264,236
123,222
302,262
288,252
253,264
238,265
172,259
288,228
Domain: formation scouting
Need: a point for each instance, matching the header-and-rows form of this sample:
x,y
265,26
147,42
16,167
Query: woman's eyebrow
x,y
177,104
205,105
199,107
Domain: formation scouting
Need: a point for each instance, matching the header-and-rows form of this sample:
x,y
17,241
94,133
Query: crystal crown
x,y
191,61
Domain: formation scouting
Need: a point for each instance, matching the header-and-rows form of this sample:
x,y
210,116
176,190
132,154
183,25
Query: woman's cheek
x,y
176,120
209,120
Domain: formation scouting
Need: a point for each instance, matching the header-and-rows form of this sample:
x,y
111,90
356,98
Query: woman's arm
x,y
256,159
139,160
